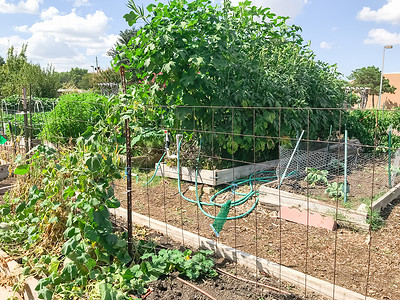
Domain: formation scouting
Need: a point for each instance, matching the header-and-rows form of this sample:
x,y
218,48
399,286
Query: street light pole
x,y
383,62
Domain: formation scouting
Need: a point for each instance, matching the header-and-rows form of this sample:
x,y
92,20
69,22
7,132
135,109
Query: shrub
x,y
72,116
362,124
197,54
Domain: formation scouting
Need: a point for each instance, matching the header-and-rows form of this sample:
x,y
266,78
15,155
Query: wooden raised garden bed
x,y
216,177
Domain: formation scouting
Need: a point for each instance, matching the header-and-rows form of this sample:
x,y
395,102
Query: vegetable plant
x,y
315,176
335,190
60,225
198,54
72,116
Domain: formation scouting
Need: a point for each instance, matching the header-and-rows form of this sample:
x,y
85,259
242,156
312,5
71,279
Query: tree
x,y
123,39
18,73
117,52
2,61
371,77
76,77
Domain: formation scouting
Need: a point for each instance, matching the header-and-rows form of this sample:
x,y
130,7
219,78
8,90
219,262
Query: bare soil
x,y
221,287
368,264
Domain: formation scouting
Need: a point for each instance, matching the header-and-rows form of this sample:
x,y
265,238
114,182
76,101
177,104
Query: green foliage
x,y
335,190
14,103
375,219
371,77
368,125
75,77
72,116
17,73
193,53
70,205
315,176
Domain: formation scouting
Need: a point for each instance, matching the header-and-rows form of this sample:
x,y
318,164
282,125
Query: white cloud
x,y
23,28
79,3
49,13
24,7
7,42
382,37
325,45
390,12
65,40
290,8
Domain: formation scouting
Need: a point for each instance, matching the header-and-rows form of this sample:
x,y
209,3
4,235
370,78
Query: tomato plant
x,y
198,54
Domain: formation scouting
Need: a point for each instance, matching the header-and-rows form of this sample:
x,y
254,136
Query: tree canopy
x,y
123,39
17,73
371,77
75,78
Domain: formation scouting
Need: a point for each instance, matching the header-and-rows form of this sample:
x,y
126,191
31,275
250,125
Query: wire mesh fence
x,y
212,171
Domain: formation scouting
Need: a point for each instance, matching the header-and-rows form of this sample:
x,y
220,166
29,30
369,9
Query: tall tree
x,y
371,77
123,39
2,61
76,77
17,73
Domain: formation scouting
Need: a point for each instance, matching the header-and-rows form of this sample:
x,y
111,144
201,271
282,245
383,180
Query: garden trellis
x,y
250,226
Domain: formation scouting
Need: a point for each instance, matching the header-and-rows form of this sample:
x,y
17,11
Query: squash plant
x,y
199,54
60,221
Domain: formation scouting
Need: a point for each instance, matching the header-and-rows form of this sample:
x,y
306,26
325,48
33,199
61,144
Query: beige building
x,y
388,100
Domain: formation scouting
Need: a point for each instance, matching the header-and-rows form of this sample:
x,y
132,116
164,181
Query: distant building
x,y
388,101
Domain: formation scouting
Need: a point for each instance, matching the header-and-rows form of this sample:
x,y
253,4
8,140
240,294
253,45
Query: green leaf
x,y
113,202
90,264
107,292
69,246
131,18
22,169
45,294
5,210
90,233
93,163
20,207
69,192
150,7
69,272
123,256
93,274
54,265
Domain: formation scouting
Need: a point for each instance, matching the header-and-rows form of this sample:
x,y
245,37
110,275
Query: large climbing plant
x,y
197,54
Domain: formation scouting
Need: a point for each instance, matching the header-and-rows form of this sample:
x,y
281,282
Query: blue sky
x,y
71,33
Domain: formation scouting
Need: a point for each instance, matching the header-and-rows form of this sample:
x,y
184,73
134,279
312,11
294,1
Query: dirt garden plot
x,y
348,254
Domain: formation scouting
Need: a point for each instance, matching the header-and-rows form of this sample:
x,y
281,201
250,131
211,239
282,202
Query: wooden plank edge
x,y
384,200
30,282
357,218
298,278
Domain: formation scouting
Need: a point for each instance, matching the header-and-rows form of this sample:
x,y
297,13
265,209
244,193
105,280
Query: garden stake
x,y
291,158
2,121
30,118
25,122
345,166
389,158
128,171
12,138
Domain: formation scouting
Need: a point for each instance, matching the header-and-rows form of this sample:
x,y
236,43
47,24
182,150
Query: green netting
x,y
221,217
